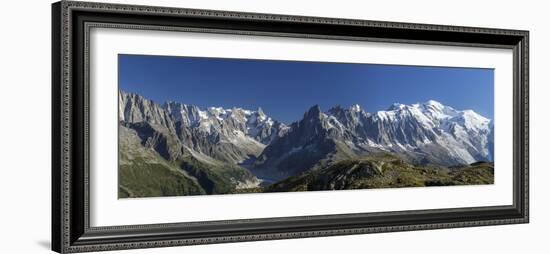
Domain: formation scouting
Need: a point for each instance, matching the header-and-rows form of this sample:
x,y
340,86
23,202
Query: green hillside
x,y
383,171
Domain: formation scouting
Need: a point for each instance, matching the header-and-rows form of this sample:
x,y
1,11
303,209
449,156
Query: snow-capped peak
x,y
472,114
428,128
255,125
396,106
471,120
217,110
188,114
355,108
260,111
434,103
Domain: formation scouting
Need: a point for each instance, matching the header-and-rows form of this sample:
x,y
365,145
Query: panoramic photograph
x,y
208,126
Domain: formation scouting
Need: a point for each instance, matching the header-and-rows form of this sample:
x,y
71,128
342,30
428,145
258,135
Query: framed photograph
x,y
181,126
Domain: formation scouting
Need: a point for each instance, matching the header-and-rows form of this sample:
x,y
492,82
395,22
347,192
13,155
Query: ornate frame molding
x,y
71,22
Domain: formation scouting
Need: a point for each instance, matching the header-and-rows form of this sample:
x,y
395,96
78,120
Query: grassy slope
x,y
144,173
153,180
383,171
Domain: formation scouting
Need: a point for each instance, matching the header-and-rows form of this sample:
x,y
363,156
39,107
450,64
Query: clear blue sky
x,y
286,89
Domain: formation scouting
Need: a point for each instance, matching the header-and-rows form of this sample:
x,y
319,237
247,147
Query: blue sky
x,y
286,89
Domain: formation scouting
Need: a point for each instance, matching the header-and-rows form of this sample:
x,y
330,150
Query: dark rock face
x,y
307,142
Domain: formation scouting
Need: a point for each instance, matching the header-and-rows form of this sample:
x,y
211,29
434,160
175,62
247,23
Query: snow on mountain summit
x,y
428,131
232,135
421,127
434,103
355,108
254,124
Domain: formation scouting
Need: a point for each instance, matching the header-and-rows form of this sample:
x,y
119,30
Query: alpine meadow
x,y
204,126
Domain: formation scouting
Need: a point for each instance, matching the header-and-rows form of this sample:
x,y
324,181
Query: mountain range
x,y
218,150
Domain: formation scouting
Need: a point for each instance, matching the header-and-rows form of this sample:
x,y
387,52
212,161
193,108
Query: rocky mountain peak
x,y
434,103
396,106
313,112
428,131
260,111
134,108
355,108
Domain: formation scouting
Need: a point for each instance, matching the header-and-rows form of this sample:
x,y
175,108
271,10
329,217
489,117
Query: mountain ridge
x,y
423,133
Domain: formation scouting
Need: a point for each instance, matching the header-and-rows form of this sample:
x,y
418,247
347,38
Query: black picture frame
x,y
71,231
